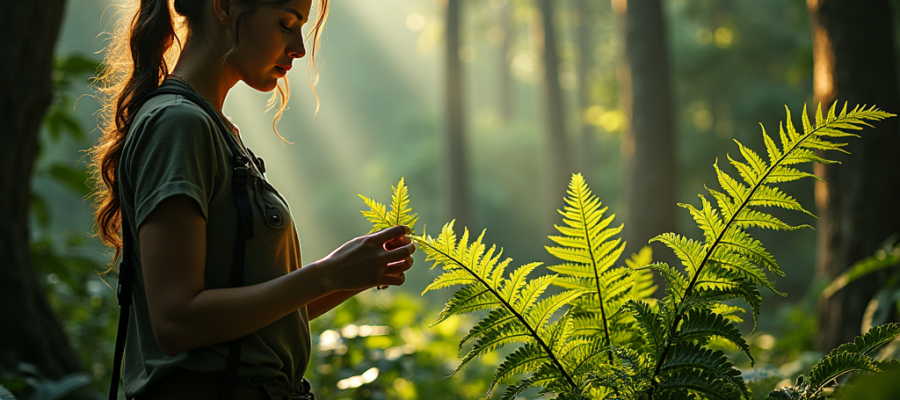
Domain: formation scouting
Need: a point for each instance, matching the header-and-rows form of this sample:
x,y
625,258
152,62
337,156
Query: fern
x,y
400,213
519,314
846,358
602,336
728,262
518,311
589,253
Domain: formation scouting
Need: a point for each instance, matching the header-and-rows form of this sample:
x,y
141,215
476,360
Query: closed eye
x,y
283,26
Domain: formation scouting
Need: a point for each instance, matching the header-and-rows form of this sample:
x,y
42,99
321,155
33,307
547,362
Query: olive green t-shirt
x,y
175,148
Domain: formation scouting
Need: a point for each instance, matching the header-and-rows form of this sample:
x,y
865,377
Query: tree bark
x,y
855,61
648,150
559,168
30,330
456,166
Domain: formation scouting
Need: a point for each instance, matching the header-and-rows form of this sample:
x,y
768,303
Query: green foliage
x,y
601,336
846,358
388,331
29,383
885,298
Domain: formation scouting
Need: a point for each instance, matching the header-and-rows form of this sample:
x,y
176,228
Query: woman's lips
x,y
282,70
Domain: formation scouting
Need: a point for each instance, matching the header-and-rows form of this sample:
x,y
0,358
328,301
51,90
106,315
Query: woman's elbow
x,y
168,336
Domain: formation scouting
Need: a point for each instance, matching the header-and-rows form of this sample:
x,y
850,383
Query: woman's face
x,y
270,39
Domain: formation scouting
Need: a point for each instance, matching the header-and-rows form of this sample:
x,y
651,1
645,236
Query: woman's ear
x,y
222,9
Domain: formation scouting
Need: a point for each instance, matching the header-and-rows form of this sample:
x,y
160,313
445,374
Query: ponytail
x,y
137,60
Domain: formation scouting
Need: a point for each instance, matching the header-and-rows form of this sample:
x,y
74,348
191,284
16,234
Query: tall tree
x,y
506,83
582,20
559,164
30,330
456,166
648,150
855,61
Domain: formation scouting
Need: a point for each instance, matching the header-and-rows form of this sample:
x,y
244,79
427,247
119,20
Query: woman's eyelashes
x,y
285,27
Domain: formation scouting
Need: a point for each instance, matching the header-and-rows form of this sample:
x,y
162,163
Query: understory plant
x,y
587,326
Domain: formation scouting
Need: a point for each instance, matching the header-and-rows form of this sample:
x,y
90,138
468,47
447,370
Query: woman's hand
x,y
377,259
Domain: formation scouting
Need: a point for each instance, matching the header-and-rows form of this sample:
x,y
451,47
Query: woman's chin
x,y
266,85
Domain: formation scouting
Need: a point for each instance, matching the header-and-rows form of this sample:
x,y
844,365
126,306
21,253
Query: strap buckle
x,y
305,391
123,287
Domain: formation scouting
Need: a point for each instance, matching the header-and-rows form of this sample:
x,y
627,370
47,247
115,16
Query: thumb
x,y
392,280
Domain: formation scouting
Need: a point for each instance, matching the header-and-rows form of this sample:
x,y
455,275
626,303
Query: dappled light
x,y
545,155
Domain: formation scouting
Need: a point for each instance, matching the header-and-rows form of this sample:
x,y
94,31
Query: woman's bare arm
x,y
322,305
184,315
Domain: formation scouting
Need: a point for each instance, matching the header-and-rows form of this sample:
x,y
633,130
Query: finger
x,y
393,280
400,253
384,235
397,242
399,266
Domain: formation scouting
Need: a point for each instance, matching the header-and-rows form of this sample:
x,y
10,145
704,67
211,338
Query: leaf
x,y
860,269
467,299
835,365
701,324
5,394
873,339
526,358
589,254
650,324
689,251
400,213
59,389
689,357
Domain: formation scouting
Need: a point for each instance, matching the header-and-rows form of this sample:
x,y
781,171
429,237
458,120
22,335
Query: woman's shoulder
x,y
171,109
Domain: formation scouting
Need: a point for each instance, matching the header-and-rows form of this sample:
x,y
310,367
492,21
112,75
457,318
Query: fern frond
x,y
728,258
650,324
494,339
835,365
689,357
527,358
518,314
467,299
702,324
589,254
643,285
400,213
683,384
873,339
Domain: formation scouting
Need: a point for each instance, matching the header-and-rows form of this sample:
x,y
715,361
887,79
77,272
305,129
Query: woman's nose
x,y
297,49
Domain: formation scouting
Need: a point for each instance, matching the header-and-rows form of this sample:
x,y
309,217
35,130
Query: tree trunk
x,y
506,84
559,168
456,165
648,151
30,330
582,15
854,61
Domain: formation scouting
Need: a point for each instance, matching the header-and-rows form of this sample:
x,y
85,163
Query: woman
x,y
167,170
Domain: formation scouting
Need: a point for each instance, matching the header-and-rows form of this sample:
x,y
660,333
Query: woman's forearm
x,y
326,303
221,315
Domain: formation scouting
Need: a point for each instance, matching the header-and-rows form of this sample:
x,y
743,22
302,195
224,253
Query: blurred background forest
x,y
533,90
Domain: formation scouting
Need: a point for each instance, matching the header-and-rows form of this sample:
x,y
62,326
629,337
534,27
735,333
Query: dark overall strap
x,y
241,182
123,293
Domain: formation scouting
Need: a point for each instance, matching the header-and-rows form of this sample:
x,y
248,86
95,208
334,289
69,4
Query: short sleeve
x,y
172,151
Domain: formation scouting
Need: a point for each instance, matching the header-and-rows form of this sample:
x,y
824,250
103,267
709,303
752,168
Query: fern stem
x,y
587,236
679,313
509,307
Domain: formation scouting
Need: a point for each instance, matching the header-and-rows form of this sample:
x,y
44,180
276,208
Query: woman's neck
x,y
202,66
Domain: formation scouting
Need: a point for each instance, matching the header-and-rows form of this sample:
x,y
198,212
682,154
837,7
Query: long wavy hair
x,y
144,46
